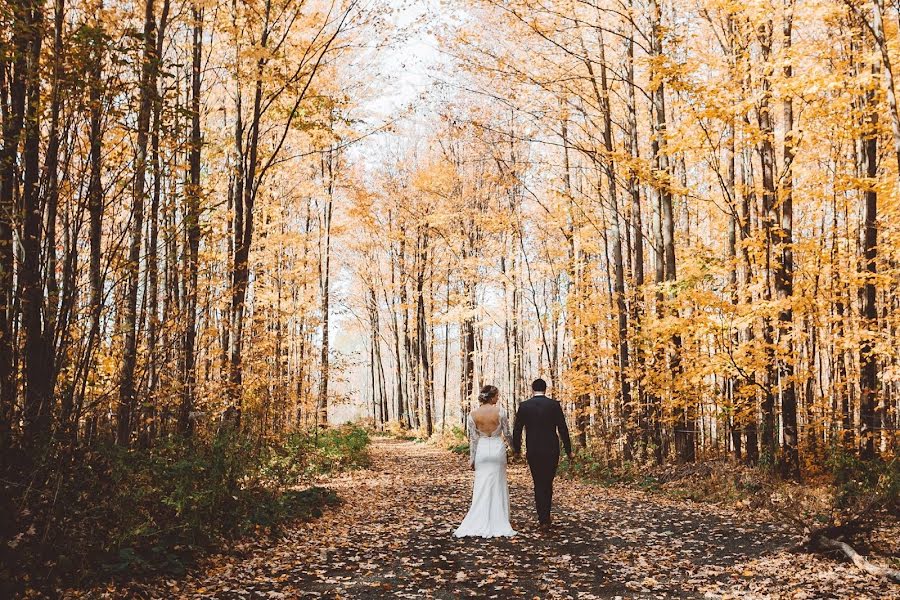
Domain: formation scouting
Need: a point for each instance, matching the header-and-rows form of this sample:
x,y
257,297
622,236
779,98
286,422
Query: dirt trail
x,y
391,538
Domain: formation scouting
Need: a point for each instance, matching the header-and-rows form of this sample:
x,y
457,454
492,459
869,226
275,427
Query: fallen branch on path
x,y
819,539
858,559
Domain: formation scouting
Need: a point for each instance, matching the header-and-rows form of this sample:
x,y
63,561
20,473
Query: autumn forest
x,y
259,219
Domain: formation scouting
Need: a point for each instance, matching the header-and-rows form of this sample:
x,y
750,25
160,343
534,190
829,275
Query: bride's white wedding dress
x,y
489,514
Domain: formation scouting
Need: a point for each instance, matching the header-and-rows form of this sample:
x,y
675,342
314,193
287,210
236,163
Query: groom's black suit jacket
x,y
542,417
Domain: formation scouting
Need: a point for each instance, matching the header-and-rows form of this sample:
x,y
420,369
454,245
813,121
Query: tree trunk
x,y
127,399
618,260
398,356
683,419
13,123
245,198
645,416
192,226
771,220
748,384
421,324
731,385
467,373
38,376
784,274
328,173
869,417
148,419
887,71
95,203
54,303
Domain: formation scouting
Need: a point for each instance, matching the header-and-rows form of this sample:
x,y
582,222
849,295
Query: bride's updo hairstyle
x,y
488,394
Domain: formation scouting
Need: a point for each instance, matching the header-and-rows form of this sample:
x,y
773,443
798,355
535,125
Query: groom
x,y
541,417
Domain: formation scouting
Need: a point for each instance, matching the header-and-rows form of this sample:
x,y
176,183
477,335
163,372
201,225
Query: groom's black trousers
x,y
543,470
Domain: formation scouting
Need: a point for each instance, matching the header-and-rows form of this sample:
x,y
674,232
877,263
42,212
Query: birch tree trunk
x,y
328,169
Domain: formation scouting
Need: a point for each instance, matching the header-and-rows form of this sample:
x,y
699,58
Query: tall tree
x,y
328,174
38,374
869,416
125,411
685,437
784,271
17,64
193,193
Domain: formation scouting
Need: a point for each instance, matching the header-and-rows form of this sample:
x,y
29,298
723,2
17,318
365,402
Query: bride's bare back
x,y
487,418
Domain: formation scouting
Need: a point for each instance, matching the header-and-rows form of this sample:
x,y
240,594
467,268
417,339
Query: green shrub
x,y
462,448
286,463
302,455
594,467
181,493
338,449
456,440
857,482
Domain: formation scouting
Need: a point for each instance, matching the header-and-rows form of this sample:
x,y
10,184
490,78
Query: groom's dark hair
x,y
539,385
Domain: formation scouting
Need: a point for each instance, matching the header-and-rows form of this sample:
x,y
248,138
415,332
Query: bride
x,y
489,514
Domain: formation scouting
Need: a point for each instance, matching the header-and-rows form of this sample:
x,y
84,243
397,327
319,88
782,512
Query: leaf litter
x,y
392,538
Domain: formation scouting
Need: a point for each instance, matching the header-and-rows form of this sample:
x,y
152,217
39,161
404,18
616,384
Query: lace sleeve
x,y
473,439
504,426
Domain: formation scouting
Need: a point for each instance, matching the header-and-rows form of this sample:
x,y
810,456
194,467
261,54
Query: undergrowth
x,y
839,478
107,512
456,441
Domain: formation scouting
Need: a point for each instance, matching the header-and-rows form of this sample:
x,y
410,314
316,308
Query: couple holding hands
x,y
488,428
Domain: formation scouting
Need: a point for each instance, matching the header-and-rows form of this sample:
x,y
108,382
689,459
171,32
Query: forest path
x,y
391,538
